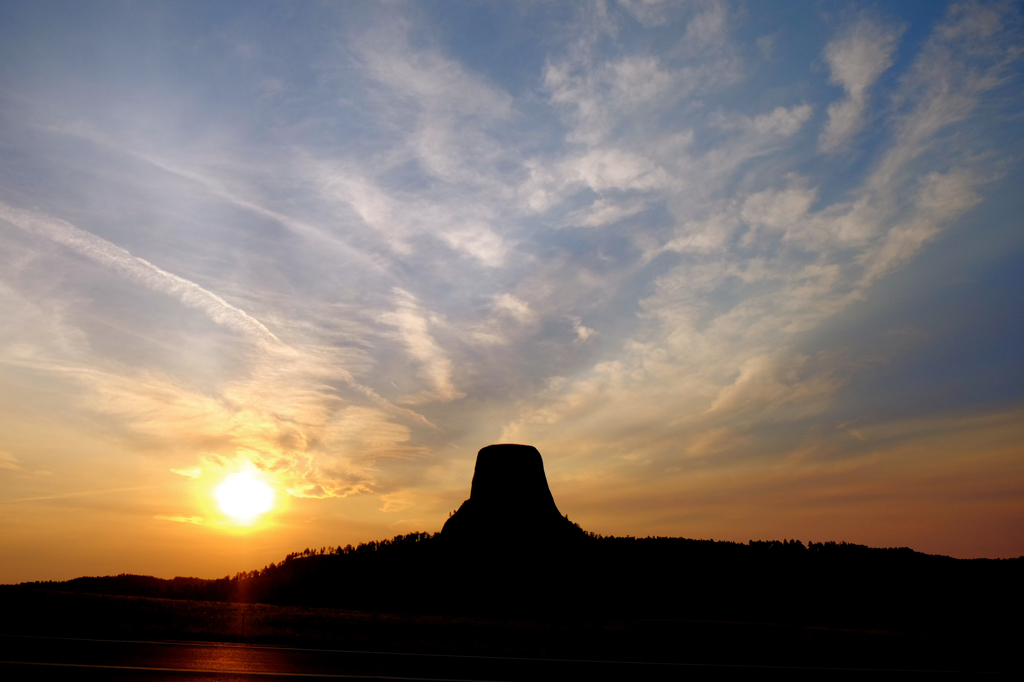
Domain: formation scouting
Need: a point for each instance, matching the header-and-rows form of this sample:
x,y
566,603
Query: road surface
x,y
57,658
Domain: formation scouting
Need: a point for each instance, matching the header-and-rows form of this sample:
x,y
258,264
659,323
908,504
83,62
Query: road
x,y
56,658
67,658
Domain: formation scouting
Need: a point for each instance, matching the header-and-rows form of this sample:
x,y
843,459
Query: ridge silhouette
x,y
509,498
508,550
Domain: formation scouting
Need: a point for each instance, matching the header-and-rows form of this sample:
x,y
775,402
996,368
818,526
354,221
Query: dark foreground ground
x,y
55,635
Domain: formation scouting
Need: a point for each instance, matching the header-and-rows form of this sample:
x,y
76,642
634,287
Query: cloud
x,y
708,28
794,385
414,330
80,493
9,462
716,441
583,333
397,501
603,212
435,83
856,59
188,473
941,198
783,121
510,305
598,97
451,124
609,169
650,12
198,520
480,242
778,209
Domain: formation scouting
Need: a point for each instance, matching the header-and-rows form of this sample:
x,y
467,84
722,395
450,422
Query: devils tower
x,y
509,499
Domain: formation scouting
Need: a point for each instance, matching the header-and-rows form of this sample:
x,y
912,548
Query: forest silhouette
x,y
509,551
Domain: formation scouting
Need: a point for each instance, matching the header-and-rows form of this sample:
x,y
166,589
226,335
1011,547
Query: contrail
x,y
139,270
83,493
217,189
389,406
189,293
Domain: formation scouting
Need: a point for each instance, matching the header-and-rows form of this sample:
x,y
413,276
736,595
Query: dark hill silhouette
x,y
509,499
508,550
829,584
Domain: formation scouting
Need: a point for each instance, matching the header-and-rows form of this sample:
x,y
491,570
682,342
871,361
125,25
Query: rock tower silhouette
x,y
509,499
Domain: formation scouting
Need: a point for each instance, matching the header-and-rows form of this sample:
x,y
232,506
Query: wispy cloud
x,y
856,59
81,493
251,420
182,519
435,366
9,462
583,333
786,262
397,501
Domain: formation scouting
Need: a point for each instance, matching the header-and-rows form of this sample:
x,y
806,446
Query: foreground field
x,y
702,643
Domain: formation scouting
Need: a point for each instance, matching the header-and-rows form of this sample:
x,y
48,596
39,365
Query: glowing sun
x,y
244,497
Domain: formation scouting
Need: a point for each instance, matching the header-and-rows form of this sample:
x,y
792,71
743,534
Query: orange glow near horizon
x,y
243,497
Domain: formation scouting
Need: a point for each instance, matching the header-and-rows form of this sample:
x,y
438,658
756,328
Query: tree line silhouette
x,y
827,583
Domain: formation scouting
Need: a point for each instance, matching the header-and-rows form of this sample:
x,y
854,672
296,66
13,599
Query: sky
x,y
738,270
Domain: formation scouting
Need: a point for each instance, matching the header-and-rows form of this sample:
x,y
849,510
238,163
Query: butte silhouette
x,y
509,500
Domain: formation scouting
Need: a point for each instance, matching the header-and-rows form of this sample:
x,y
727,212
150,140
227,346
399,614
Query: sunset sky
x,y
739,270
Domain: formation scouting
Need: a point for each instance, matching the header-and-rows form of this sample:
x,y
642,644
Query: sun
x,y
244,497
